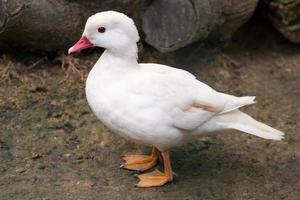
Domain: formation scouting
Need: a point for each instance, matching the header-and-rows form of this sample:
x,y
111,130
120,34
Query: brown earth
x,y
53,147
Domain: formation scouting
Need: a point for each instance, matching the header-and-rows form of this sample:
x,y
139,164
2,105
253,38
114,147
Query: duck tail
x,y
236,119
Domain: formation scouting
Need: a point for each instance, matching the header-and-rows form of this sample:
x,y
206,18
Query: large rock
x,y
285,16
170,25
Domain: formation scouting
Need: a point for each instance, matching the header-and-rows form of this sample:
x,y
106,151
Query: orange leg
x,y
140,162
157,178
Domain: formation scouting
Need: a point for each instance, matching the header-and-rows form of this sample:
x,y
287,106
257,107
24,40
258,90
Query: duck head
x,y
111,30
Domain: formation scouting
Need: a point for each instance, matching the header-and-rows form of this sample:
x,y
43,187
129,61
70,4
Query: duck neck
x,y
128,52
115,64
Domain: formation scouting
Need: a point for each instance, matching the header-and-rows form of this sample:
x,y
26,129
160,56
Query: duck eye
x,y
101,30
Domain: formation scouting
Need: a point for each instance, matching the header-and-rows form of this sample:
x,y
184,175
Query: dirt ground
x,y
53,147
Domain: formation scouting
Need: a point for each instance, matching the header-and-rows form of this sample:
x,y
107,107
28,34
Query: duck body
x,y
154,104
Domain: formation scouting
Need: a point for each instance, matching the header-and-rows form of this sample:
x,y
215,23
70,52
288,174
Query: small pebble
x,y
20,170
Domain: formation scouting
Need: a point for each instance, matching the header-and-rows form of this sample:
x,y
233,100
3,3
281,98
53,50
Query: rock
x,y
20,170
285,17
170,25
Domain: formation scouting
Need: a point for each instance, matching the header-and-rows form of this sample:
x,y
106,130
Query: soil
x,y
53,147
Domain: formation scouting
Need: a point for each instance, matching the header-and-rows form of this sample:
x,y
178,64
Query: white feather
x,y
236,119
156,104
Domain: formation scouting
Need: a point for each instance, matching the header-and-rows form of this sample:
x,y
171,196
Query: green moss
x,y
294,27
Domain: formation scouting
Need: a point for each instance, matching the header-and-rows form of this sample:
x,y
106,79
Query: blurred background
x,y
53,147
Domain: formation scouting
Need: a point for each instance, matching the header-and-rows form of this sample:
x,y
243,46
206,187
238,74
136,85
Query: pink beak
x,y
83,43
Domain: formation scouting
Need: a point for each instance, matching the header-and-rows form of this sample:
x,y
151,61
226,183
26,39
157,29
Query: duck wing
x,y
177,93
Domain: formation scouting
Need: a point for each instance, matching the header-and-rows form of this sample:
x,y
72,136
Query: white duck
x,y
151,103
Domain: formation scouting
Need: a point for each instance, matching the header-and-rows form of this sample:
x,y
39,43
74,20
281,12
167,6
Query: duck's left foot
x,y
153,179
140,162
157,178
